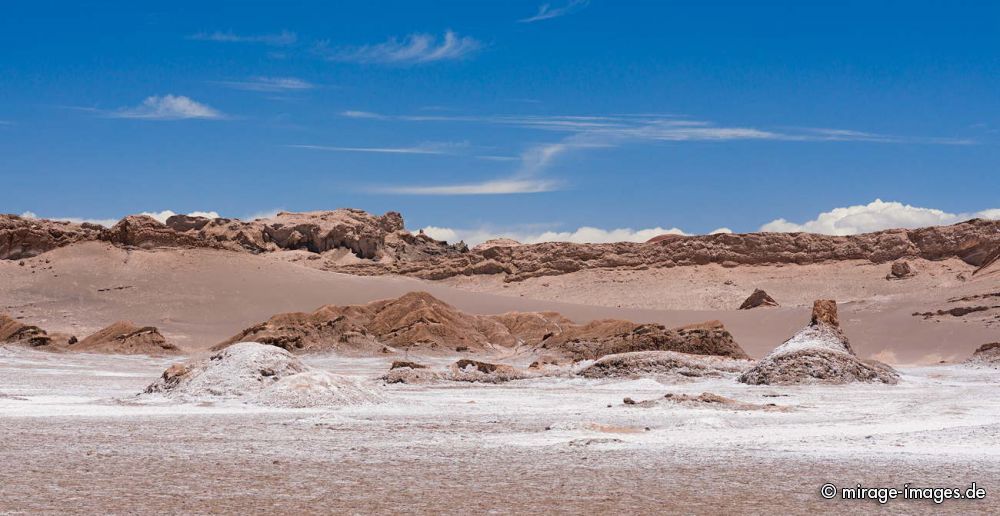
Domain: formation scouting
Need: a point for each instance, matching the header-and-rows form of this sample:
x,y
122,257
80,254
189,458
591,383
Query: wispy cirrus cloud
x,y
547,12
434,148
270,84
580,132
413,49
489,187
283,38
168,107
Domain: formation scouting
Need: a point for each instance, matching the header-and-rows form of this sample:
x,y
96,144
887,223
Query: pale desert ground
x,y
77,440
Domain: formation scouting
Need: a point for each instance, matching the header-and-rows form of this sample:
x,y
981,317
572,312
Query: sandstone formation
x,y
13,331
259,374
663,363
757,299
22,237
461,371
608,337
991,263
819,353
900,270
496,242
419,320
381,245
123,337
971,241
145,232
987,355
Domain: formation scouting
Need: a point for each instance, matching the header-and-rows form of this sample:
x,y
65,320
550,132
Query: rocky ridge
x,y
418,320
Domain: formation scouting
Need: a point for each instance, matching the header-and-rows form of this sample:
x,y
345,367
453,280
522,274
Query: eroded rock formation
x,y
819,353
22,237
757,299
123,337
419,320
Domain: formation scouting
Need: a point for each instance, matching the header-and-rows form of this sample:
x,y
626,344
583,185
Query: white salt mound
x,y
261,374
318,389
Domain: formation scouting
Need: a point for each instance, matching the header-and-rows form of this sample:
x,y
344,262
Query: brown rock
x,y
13,331
819,353
123,337
900,270
825,312
757,299
396,364
987,355
24,238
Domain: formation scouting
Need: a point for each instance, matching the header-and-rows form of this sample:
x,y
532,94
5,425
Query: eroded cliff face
x,y
22,237
972,241
382,245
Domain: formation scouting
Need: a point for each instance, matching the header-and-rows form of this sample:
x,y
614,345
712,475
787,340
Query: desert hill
x,y
418,320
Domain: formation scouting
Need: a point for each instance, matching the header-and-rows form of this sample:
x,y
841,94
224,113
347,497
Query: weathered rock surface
x,y
987,355
419,320
496,242
599,338
123,337
971,241
464,370
819,353
900,270
757,299
13,331
145,232
663,363
708,400
259,374
24,238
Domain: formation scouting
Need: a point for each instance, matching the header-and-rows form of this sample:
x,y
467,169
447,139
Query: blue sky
x,y
520,118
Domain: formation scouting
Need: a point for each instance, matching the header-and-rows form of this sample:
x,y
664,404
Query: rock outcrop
x,y
758,299
971,241
819,353
418,320
123,337
987,355
22,237
13,331
496,242
259,374
608,337
900,270
663,363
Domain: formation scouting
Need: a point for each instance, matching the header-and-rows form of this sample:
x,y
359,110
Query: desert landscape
x,y
335,361
582,257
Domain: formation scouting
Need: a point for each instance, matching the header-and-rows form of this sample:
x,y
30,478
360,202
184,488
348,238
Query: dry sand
x,y
199,297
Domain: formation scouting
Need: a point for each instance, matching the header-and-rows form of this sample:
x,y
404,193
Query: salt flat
x,y
78,440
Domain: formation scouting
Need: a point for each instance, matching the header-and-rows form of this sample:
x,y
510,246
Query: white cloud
x,y
267,214
162,216
721,231
270,84
362,114
491,187
582,235
283,38
436,148
547,12
875,216
168,107
414,49
75,220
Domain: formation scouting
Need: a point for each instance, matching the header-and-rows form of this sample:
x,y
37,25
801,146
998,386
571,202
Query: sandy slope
x,y
199,297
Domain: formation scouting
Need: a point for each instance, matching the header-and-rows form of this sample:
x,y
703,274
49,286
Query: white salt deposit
x,y
262,374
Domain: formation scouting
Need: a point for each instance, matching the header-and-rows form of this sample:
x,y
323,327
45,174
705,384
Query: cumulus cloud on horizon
x,y
160,216
581,235
875,216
